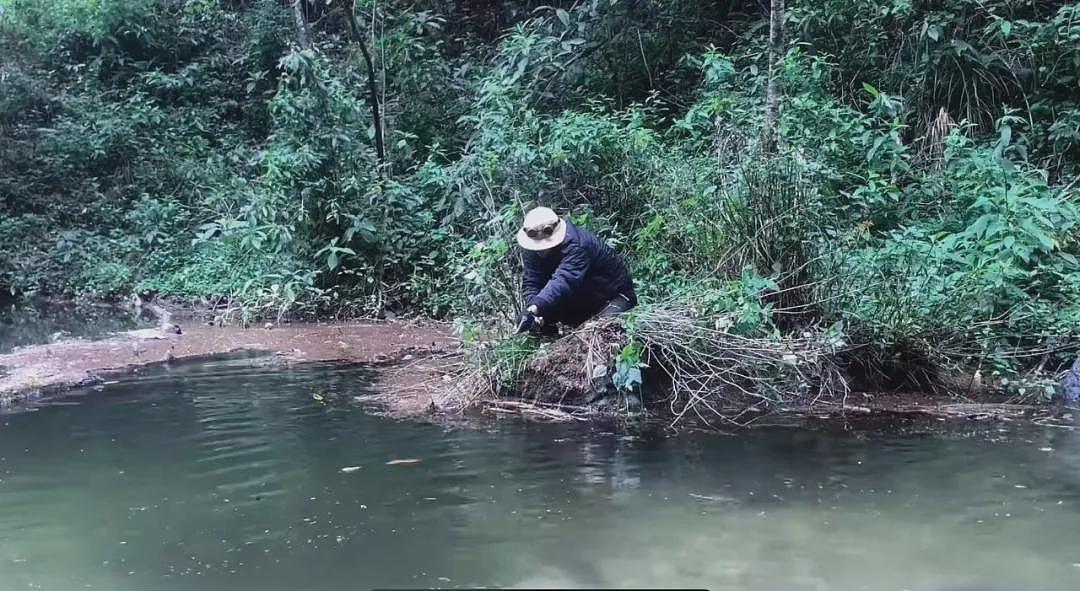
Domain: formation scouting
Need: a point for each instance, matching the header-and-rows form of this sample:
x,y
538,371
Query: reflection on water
x,y
226,476
32,324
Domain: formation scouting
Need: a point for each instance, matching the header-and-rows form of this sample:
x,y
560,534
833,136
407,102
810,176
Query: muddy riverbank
x,y
417,362
36,370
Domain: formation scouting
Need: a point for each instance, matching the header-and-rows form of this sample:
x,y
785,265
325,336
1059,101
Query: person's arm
x,y
533,277
566,280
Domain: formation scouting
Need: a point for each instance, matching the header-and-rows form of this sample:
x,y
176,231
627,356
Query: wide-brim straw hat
x,y
542,229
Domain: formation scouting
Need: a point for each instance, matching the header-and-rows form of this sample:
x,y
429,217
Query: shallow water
x,y
34,324
229,476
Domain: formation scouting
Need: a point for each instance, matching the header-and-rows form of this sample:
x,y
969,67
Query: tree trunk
x,y
380,145
302,35
373,94
770,133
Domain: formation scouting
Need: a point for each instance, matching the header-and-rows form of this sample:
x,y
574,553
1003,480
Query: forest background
x,y
908,194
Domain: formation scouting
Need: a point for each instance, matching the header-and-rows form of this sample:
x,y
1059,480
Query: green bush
x,y
924,196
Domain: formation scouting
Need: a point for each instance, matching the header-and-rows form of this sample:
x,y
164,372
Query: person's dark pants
x,y
616,306
576,317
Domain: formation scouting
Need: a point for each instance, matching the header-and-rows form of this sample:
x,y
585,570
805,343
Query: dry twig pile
x,y
716,374
704,371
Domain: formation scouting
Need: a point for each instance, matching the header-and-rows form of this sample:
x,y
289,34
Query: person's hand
x,y
538,321
526,320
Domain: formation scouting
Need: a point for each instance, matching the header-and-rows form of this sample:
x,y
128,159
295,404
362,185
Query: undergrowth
x,y
922,209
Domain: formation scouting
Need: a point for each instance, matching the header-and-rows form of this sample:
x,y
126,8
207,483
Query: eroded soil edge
x,y
37,370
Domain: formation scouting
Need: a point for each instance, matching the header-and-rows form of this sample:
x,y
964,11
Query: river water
x,y
41,322
230,476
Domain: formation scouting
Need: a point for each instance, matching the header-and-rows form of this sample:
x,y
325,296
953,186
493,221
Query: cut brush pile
x,y
521,372
712,373
692,370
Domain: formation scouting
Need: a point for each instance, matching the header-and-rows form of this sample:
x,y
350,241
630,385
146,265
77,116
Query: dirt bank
x,y
43,369
419,361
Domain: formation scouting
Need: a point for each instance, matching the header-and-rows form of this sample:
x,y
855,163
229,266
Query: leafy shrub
x,y
924,198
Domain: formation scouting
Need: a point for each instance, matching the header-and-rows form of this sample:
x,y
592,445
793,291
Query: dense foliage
x,y
924,200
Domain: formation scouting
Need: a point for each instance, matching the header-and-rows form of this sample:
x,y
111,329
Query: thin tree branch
x,y
373,93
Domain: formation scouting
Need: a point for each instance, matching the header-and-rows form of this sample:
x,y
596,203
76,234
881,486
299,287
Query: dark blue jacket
x,y
577,280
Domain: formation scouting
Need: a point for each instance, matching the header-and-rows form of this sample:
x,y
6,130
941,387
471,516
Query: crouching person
x,y
570,275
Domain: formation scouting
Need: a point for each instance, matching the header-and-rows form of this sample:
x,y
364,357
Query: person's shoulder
x,y
575,233
583,238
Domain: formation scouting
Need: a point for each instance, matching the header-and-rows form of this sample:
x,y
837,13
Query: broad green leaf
x,y
521,65
1004,139
877,145
979,227
1045,240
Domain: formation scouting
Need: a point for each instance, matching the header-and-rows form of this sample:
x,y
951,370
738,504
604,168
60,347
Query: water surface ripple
x,y
228,476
